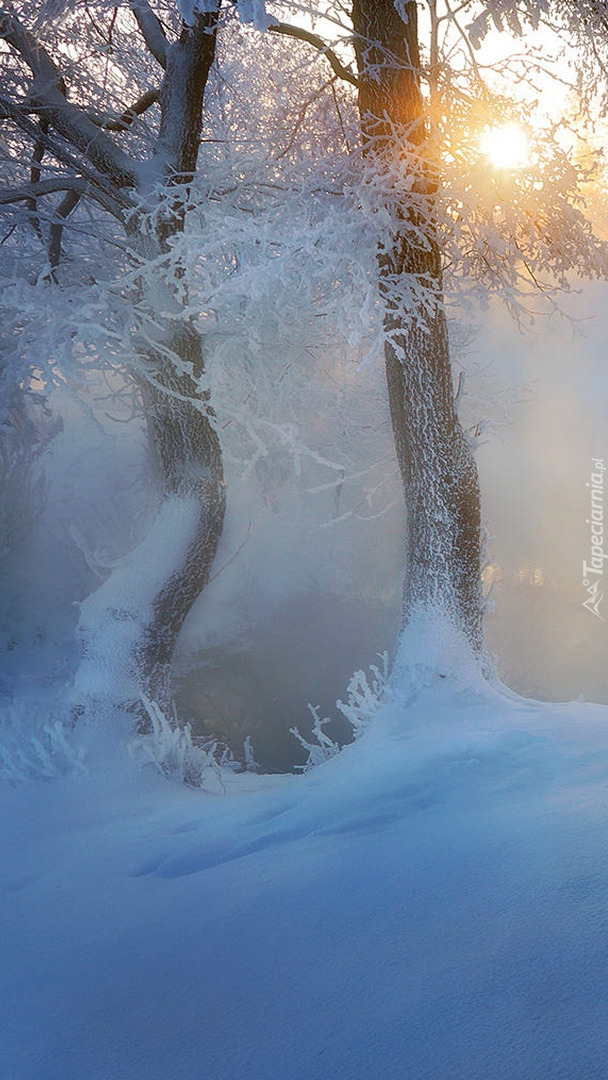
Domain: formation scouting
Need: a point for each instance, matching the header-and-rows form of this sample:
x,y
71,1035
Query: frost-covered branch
x,y
176,753
363,701
73,184
47,98
46,73
151,30
506,15
323,749
300,34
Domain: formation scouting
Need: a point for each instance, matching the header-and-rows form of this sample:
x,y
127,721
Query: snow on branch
x,y
74,184
250,11
506,15
44,70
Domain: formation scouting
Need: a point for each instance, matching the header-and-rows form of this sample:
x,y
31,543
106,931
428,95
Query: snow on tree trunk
x,y
129,627
440,481
438,471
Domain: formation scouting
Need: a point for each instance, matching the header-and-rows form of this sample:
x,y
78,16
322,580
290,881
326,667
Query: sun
x,y
506,146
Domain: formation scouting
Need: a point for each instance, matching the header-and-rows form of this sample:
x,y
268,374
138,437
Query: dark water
x,y
306,652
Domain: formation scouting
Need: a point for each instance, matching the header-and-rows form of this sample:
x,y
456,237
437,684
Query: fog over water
x,y
537,504
307,591
547,391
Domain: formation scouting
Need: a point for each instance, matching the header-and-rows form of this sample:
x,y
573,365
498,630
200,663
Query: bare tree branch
x,y
63,211
313,39
123,120
74,184
151,30
35,173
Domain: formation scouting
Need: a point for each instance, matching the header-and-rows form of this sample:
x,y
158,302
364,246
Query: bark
x,y
182,425
438,471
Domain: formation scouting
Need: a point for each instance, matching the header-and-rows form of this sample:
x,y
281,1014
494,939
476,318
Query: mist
x,y
535,473
306,587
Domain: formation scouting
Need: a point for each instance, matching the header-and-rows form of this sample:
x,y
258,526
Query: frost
x,y
251,765
173,751
188,8
363,697
32,752
323,749
254,12
506,15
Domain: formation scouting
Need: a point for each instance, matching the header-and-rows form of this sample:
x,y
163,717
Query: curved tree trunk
x,y
440,481
182,425
129,627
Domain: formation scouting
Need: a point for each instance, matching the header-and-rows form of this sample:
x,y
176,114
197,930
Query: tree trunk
x,y
129,627
182,425
440,481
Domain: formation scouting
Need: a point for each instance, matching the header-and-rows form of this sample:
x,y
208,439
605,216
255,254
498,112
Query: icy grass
x,y
33,749
430,649
363,698
173,751
32,752
44,749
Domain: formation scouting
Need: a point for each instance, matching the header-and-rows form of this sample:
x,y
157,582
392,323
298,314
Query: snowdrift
x,y
430,904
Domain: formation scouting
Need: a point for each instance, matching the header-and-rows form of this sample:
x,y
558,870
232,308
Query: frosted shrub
x,y
173,751
363,699
324,748
251,765
43,754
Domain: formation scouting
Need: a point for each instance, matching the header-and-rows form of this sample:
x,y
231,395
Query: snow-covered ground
x,y
431,904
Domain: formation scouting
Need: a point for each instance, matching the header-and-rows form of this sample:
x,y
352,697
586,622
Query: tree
x,y
409,199
69,149
438,213
441,486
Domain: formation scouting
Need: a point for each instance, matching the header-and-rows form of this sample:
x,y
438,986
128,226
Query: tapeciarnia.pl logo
x,y
593,571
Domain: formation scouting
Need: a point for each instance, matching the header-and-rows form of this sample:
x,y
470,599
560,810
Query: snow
x,y
250,11
430,903
112,617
